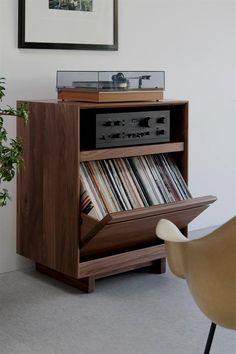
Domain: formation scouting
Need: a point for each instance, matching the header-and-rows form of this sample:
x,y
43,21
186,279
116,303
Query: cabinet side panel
x,y
179,125
184,160
48,187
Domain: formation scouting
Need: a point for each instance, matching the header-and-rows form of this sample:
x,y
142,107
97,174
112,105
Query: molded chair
x,y
209,266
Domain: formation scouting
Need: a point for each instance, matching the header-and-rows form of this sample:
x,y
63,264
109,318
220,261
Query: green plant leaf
x,y
10,149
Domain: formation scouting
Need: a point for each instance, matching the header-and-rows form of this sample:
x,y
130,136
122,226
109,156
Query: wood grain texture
x,y
102,154
86,284
110,96
90,227
131,233
97,106
48,211
94,105
122,262
48,187
162,209
179,132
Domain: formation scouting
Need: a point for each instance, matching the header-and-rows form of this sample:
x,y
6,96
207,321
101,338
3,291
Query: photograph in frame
x,y
68,24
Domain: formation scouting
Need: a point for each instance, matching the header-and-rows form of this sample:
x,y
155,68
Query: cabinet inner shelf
x,y
102,154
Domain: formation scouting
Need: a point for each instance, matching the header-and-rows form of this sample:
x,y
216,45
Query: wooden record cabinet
x,y
51,231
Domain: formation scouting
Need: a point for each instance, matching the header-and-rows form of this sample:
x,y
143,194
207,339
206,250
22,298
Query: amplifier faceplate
x,y
132,128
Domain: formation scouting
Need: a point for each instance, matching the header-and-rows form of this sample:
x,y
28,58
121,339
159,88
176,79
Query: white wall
x,y
193,41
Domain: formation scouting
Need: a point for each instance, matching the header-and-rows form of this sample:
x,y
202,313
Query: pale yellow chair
x,y
209,266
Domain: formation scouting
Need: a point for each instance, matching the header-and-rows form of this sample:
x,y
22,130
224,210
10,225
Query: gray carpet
x,y
131,313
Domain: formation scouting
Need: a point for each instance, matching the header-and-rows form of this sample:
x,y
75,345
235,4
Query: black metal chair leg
x,y
210,338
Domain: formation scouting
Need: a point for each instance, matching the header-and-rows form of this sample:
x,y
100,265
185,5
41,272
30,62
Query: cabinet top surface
x,y
89,105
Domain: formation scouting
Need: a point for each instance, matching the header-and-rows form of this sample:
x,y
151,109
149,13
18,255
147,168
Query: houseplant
x,y
10,149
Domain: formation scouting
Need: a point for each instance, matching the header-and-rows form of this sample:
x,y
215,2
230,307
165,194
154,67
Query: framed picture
x,y
68,24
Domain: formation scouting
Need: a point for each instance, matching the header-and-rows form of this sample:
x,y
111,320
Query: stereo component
x,y
132,128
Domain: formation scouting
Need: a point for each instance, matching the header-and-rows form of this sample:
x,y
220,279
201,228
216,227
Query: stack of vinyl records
x,y
120,184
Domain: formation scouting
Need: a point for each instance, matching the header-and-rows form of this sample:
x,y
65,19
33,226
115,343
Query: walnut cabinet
x,y
51,231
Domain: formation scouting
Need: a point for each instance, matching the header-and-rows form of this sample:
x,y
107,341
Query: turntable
x,y
110,86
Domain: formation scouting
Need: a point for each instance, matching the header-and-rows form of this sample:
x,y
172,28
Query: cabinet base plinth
x,y
86,284
159,266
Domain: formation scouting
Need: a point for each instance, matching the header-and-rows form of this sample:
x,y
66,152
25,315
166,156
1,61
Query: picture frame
x,y
41,24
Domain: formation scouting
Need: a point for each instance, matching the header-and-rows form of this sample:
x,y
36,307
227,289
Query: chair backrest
x,y
175,246
209,266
